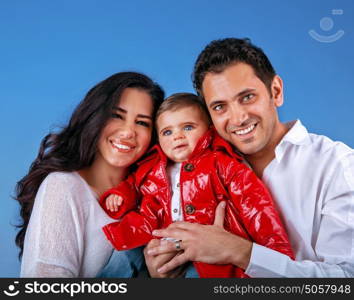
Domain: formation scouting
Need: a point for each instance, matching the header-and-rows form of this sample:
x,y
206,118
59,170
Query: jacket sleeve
x,y
257,210
135,228
128,191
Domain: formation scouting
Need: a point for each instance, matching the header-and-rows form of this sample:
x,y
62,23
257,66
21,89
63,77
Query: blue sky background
x,y
52,52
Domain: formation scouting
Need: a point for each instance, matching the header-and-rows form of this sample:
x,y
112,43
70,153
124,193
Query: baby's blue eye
x,y
167,132
188,127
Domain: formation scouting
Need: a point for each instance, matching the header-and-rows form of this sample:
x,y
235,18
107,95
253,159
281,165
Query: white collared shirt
x,y
311,179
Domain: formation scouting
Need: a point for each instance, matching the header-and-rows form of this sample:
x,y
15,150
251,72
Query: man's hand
x,y
154,262
205,243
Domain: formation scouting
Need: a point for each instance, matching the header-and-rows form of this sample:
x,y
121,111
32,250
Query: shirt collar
x,y
297,135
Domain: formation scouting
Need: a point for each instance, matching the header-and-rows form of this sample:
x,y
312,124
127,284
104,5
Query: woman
x,y
109,131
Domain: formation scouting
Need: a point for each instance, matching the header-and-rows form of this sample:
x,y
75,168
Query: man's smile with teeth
x,y
246,130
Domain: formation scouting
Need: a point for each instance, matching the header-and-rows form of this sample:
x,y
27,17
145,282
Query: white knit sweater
x,y
64,236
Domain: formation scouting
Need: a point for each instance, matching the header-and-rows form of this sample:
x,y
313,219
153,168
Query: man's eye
x,y
143,123
218,107
167,132
188,127
248,97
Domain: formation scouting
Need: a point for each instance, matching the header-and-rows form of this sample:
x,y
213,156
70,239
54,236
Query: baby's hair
x,y
182,100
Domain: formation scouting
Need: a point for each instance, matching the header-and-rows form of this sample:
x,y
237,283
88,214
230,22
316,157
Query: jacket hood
x,y
210,140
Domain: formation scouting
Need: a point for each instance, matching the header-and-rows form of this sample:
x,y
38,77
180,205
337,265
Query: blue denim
x,y
125,264
191,272
131,263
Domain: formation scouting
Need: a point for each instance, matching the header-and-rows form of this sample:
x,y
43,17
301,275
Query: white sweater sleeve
x,y
54,239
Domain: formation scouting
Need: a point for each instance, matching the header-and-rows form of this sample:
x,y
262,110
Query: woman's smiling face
x,y
127,134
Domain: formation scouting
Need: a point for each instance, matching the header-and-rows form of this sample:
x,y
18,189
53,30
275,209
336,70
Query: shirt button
x,y
189,209
175,210
188,167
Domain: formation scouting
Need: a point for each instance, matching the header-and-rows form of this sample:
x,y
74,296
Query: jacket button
x,y
189,209
188,167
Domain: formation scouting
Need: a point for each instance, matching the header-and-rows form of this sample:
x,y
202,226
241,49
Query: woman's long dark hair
x,y
75,146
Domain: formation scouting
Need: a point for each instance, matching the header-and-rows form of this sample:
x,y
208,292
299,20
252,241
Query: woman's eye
x,y
167,132
116,116
188,127
143,123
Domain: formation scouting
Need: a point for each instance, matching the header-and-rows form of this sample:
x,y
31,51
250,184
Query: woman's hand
x,y
154,262
205,243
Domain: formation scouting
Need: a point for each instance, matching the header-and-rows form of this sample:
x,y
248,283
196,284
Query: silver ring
x,y
178,244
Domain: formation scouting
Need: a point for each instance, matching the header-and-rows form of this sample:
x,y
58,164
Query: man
x,y
310,177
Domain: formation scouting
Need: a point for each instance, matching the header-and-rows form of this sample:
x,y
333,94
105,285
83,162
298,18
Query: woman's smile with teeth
x,y
121,146
246,130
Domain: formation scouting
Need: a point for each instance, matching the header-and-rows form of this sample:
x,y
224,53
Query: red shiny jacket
x,y
213,173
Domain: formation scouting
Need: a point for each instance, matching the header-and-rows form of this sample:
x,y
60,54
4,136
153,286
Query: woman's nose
x,y
127,132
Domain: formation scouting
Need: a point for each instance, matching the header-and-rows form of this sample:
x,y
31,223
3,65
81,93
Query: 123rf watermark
x,y
303,289
72,289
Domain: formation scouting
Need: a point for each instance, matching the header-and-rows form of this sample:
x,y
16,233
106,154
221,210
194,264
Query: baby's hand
x,y
113,202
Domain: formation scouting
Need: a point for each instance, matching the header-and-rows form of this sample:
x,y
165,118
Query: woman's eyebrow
x,y
144,116
124,112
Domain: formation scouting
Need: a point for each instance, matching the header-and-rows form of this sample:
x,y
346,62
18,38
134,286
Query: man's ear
x,y
277,91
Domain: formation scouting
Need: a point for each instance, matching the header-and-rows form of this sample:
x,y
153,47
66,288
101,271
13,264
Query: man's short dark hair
x,y
219,54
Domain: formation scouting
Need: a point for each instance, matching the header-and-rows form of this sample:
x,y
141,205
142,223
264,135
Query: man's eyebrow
x,y
124,112
245,91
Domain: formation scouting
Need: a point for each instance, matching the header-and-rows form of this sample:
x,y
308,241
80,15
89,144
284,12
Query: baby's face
x,y
179,132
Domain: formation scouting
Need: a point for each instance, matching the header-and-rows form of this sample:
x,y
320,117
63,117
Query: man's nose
x,y
238,115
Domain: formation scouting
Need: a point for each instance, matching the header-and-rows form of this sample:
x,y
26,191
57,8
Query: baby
x,y
183,179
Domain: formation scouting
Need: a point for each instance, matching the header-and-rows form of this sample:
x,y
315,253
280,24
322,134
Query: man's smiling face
x,y
241,107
